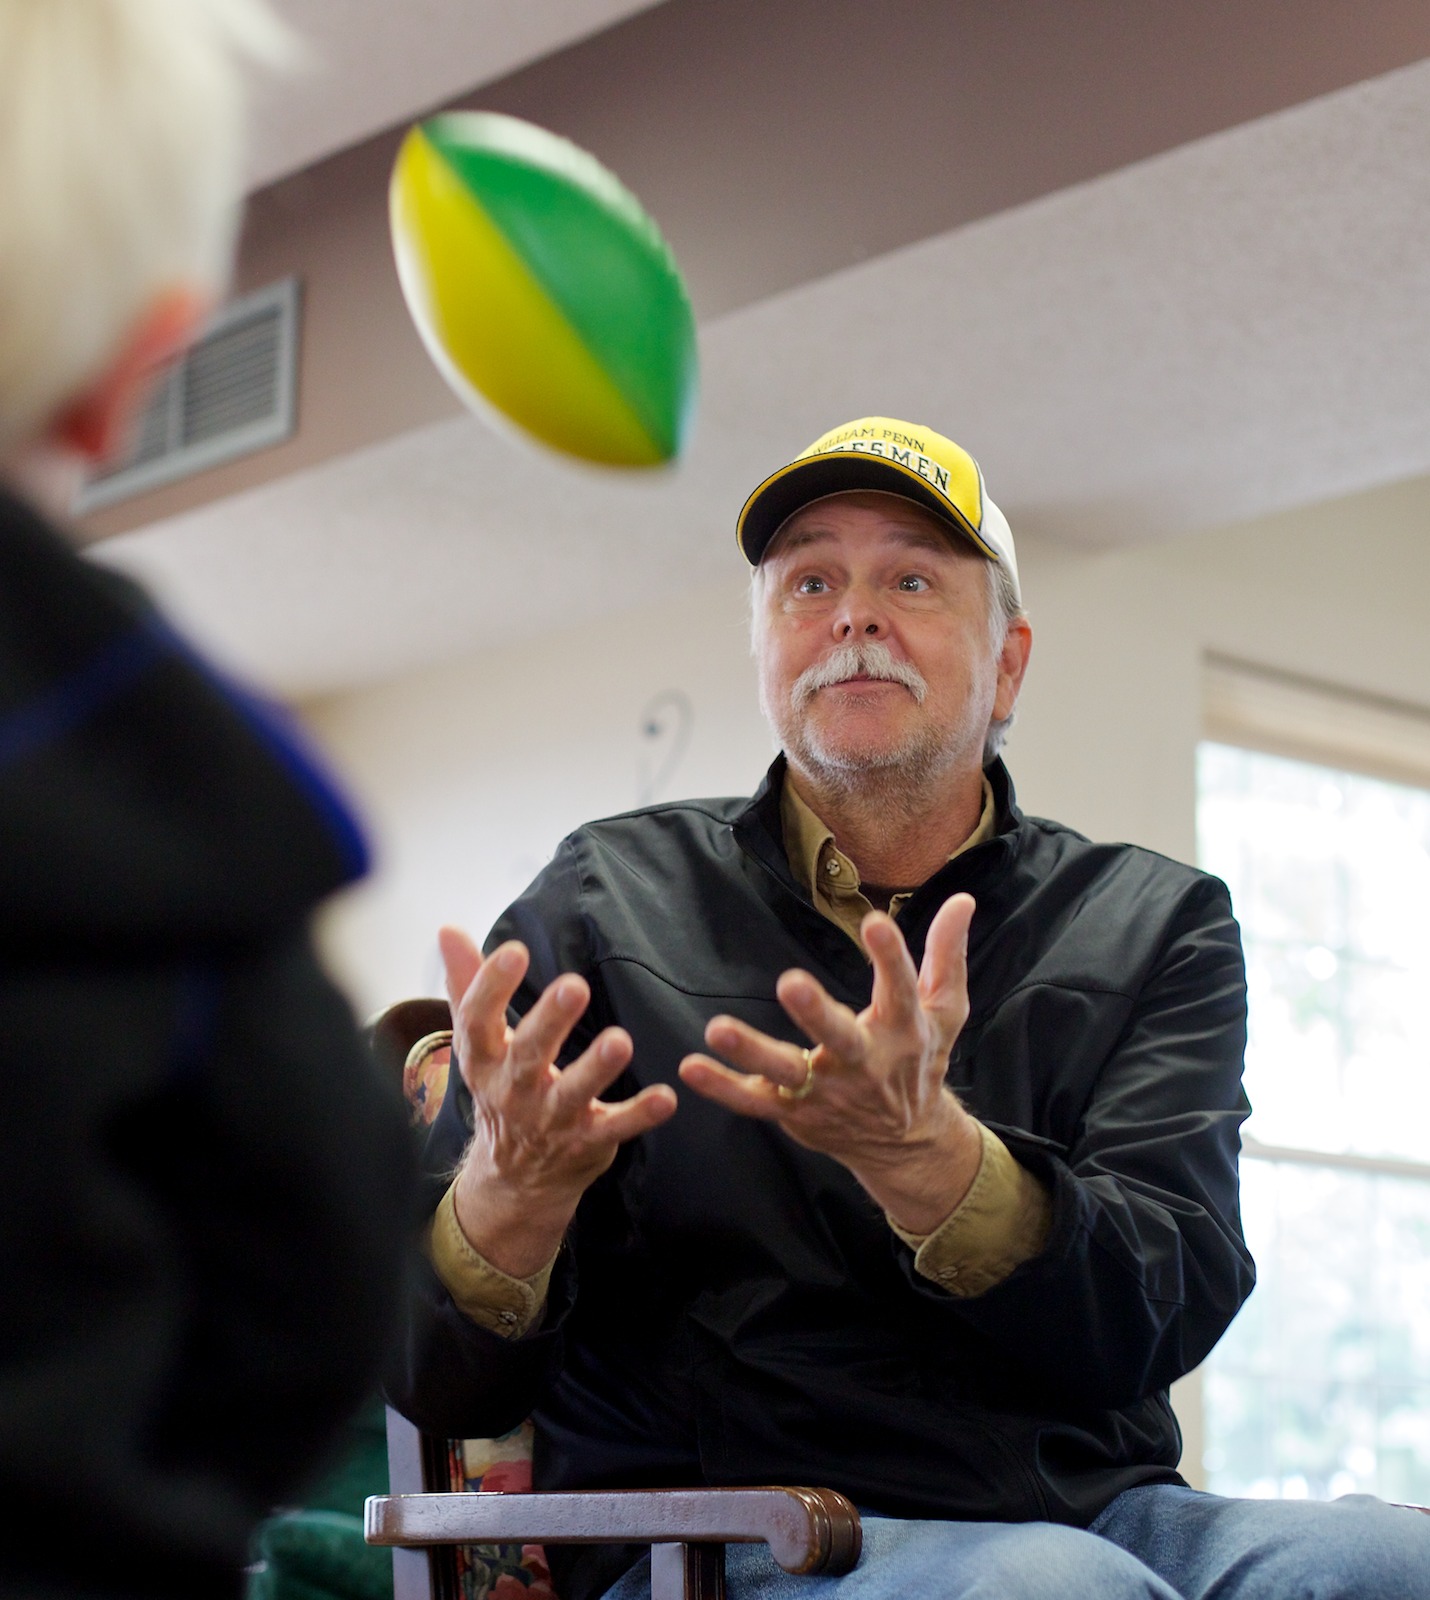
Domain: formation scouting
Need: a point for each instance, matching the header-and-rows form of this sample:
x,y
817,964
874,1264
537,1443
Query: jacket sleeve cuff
x,y
490,1297
999,1224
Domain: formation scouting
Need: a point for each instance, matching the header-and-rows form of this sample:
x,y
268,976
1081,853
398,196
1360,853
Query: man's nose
x,y
860,617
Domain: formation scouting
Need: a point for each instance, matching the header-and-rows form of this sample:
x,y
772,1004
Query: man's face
x,y
873,642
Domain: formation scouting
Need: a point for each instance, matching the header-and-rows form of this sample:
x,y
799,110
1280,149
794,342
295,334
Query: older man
x,y
963,1202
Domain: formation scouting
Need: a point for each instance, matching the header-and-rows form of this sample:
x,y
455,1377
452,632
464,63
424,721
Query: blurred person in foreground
x,y
202,1181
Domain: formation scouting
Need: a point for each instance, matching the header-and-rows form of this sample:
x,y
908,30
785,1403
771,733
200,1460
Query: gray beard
x,y
898,781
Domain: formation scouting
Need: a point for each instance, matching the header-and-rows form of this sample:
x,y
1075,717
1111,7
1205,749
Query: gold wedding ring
x,y
800,1090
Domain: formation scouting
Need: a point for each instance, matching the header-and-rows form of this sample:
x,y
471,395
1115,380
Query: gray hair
x,y
1005,607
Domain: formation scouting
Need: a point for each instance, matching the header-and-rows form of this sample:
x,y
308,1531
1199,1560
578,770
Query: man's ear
x,y
95,425
1012,664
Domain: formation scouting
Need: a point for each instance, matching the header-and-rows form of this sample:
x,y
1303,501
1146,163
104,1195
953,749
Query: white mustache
x,y
868,659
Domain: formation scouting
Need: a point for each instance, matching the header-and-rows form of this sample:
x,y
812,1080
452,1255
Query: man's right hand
x,y
540,1135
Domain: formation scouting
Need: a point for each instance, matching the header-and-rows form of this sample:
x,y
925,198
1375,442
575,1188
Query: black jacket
x,y
202,1181
732,1308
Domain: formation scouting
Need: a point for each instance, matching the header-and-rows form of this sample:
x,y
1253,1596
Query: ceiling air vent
x,y
234,392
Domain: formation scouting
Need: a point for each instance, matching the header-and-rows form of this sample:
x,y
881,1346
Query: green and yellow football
x,y
542,290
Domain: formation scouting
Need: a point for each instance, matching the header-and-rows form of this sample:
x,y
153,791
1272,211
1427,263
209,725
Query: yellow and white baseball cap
x,y
902,458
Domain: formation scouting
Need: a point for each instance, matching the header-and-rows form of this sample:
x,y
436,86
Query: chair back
x,y
413,1041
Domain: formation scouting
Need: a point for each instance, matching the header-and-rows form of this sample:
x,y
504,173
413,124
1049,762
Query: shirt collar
x,y
824,872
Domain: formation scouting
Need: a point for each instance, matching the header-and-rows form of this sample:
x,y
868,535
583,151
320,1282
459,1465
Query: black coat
x,y
202,1181
732,1308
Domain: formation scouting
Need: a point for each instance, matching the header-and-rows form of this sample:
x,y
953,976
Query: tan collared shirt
x,y
831,879
1000,1223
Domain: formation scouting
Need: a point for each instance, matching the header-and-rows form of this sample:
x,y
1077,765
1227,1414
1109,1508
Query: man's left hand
x,y
871,1091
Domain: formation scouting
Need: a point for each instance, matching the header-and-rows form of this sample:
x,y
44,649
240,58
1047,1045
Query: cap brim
x,y
839,472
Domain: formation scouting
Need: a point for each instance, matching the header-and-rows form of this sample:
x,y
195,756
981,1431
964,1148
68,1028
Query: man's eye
x,y
811,586
912,583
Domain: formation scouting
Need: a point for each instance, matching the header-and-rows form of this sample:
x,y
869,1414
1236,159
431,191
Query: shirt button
x,y
947,1274
832,867
507,1318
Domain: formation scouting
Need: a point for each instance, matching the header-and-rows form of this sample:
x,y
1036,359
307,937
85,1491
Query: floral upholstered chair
x,y
461,1517
467,1466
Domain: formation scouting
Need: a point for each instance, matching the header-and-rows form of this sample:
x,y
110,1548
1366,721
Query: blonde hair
x,y
121,172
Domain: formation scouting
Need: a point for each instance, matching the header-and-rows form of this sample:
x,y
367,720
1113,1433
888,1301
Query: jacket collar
x,y
759,830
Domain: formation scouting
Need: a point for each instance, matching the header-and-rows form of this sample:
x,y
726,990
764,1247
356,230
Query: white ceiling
x,y
371,63
1229,329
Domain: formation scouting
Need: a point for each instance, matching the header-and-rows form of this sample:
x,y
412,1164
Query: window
x,y
1322,1385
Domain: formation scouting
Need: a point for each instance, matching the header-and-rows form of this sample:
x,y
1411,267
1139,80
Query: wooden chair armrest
x,y
807,1530
392,1033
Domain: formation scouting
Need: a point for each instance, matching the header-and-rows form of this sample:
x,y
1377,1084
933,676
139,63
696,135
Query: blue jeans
x,y
1157,1542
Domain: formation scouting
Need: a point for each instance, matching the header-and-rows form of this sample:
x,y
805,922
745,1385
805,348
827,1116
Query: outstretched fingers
x,y
538,1037
821,1017
764,1066
577,1088
747,1094
480,991
625,1119
461,961
755,1053
594,1070
895,999
943,977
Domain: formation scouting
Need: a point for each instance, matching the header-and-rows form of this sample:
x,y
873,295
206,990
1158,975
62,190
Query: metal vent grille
x,y
234,392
